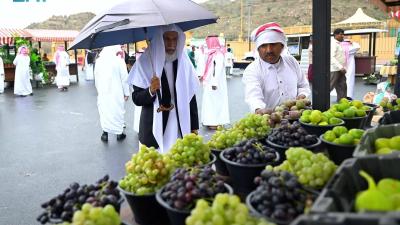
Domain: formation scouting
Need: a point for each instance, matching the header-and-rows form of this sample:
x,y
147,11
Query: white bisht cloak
x,y
111,84
22,83
62,67
186,85
2,74
215,107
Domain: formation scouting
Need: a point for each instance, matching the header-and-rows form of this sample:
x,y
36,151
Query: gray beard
x,y
170,57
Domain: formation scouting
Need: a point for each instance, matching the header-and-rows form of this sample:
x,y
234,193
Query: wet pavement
x,y
52,139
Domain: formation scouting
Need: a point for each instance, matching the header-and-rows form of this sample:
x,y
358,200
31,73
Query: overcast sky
x,y
14,14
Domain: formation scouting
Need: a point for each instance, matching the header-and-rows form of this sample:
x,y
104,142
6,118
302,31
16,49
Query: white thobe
x,y
200,63
215,107
22,83
2,74
229,61
89,70
111,84
62,78
351,69
268,85
171,133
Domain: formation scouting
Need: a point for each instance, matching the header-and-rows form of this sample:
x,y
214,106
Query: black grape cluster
x,y
251,152
63,206
190,184
292,135
279,196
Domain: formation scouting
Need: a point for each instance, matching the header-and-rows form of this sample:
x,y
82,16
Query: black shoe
x,y
104,136
31,94
121,137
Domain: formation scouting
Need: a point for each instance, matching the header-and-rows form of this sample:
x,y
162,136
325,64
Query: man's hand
x,y
195,132
259,111
300,97
343,71
154,84
126,98
214,87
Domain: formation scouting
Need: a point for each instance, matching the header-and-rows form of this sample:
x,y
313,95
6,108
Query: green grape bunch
x,y
189,151
146,172
313,170
251,126
225,210
95,216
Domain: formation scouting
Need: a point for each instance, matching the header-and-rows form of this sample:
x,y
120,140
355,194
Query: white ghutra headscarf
x,y
186,84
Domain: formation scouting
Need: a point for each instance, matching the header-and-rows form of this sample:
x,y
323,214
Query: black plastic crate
x,y
340,192
347,219
367,142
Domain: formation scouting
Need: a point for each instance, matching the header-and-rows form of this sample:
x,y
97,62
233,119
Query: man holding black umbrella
x,y
165,68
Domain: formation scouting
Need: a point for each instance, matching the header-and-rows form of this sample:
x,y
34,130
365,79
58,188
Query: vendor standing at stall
x,y
273,77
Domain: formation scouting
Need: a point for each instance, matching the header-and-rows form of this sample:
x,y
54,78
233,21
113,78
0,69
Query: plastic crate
x,y
367,142
340,192
346,219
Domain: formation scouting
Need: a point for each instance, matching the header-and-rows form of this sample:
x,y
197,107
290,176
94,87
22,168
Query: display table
x,y
389,72
365,64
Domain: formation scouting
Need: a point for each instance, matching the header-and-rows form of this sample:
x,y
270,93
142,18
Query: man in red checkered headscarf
x,y
274,76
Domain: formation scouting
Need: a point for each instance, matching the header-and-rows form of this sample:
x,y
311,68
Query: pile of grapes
x,y
189,151
225,210
312,170
187,185
251,152
63,206
251,126
292,135
146,172
95,216
279,196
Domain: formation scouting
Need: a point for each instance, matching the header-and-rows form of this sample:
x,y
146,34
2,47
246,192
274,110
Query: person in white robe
x,y
273,77
200,61
229,58
165,83
350,50
2,74
215,106
89,69
112,91
22,83
62,67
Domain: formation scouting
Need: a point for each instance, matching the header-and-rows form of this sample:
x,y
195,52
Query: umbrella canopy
x,y
135,20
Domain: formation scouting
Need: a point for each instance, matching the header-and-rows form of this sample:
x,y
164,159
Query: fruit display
x,y
63,206
341,135
349,109
251,126
316,117
387,145
279,196
224,210
251,152
189,151
292,135
382,197
146,172
390,105
289,110
187,185
312,169
95,216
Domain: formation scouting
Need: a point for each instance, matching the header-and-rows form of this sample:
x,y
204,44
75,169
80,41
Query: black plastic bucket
x,y
146,209
178,216
318,130
220,166
338,152
355,122
281,149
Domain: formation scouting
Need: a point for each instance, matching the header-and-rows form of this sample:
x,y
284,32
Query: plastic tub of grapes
x,y
145,208
212,161
318,129
355,122
338,152
186,186
220,166
245,161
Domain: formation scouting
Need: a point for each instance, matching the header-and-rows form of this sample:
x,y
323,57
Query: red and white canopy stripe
x,y
52,35
7,35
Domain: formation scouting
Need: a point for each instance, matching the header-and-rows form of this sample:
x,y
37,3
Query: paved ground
x,y
52,139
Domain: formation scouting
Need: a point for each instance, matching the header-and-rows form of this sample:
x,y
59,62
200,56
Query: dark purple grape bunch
x,y
251,151
292,135
190,184
63,206
279,195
